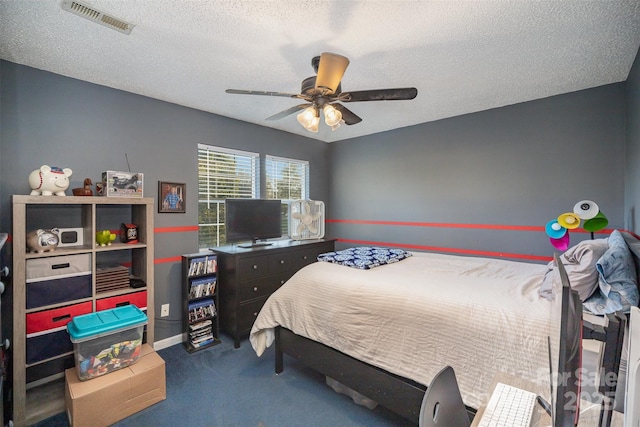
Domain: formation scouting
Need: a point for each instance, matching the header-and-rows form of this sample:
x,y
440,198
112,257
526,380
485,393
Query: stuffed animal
x,y
49,180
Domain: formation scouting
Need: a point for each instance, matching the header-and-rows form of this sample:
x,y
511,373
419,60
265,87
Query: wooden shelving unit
x,y
41,395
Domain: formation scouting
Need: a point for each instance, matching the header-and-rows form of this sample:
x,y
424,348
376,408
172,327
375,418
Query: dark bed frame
x,y
400,395
404,396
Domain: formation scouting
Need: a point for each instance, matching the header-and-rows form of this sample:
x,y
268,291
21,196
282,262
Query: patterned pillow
x,y
365,257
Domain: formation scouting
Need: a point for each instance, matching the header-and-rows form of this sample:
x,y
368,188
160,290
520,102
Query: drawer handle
x,y
282,282
305,257
255,314
120,304
60,318
255,289
281,261
255,267
58,266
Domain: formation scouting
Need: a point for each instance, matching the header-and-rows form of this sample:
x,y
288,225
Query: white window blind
x,y
286,179
222,173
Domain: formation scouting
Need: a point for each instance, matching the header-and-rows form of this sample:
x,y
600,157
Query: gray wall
x,y
632,165
519,165
49,119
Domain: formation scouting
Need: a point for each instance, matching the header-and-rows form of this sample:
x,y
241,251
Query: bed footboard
x,y
400,395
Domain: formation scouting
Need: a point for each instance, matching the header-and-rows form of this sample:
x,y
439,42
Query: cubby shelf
x,y
91,214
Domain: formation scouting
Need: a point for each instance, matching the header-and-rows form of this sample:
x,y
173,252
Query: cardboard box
x,y
122,184
110,398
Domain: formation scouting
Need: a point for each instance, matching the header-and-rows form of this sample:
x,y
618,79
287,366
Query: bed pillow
x,y
617,284
580,262
365,257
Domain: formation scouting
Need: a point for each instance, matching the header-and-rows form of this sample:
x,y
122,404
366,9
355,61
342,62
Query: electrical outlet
x,y
164,310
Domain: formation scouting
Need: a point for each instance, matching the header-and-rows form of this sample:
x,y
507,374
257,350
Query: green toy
x,y
105,237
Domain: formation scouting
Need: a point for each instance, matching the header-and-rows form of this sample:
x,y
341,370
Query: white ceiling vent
x,y
95,15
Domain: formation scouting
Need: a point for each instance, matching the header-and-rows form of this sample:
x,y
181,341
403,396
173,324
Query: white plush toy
x,y
49,180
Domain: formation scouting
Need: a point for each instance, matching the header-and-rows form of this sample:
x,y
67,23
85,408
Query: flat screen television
x,y
252,220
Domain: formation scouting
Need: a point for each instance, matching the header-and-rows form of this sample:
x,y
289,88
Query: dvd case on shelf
x,y
202,265
199,280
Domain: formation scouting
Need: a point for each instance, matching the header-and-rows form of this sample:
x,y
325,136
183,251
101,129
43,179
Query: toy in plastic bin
x,y
107,340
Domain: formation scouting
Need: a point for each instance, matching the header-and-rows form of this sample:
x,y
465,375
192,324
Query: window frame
x,y
205,197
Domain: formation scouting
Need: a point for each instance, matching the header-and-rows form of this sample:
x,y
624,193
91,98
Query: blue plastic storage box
x,y
107,340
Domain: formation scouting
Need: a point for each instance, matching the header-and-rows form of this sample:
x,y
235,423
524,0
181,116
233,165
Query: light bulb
x,y
307,116
313,127
337,125
332,116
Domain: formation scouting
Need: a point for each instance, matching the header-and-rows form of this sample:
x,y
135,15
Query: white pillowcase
x,y
580,262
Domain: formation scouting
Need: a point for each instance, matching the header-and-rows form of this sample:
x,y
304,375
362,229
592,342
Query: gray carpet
x,y
223,386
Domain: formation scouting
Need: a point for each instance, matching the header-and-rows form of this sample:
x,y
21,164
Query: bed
x,y
386,331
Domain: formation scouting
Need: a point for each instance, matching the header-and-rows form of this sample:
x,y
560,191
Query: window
x,y
286,179
222,173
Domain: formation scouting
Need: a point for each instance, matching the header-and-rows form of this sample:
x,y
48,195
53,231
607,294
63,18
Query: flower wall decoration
x,y
585,210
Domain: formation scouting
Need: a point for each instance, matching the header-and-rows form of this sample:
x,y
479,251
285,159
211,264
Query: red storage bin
x,y
47,335
56,317
139,299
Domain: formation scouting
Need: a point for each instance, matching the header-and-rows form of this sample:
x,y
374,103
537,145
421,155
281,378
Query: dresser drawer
x,y
247,313
280,262
251,267
263,286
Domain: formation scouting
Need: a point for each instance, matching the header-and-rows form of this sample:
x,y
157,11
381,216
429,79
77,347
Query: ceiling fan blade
x,y
398,94
260,92
287,112
330,71
348,116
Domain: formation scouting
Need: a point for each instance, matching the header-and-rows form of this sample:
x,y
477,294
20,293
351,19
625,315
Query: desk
x,y
589,412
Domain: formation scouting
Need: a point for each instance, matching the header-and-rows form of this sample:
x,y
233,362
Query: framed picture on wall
x,y
171,197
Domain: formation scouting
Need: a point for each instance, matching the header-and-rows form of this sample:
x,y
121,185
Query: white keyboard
x,y
508,407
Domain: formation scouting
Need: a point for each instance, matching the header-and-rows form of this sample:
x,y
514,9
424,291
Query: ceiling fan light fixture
x,y
309,119
332,117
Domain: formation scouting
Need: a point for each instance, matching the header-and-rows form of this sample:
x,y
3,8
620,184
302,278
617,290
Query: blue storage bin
x,y
107,340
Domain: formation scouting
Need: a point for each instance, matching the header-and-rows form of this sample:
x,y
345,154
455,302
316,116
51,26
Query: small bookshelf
x,y
200,307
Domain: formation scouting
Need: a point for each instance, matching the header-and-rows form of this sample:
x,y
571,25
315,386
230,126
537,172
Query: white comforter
x,y
413,317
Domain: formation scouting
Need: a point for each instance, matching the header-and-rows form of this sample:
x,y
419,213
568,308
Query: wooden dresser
x,y
247,276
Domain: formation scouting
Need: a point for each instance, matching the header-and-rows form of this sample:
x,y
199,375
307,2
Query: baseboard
x,y
168,342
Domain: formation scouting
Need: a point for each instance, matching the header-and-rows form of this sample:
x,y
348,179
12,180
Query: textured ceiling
x,y
462,56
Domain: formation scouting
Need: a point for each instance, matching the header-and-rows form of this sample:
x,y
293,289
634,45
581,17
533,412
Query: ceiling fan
x,y
323,92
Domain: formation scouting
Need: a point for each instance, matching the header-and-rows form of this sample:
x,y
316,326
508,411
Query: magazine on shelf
x,y
201,325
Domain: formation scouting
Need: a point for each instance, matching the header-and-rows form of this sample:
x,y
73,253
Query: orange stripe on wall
x,y
450,250
182,229
440,224
167,260
536,228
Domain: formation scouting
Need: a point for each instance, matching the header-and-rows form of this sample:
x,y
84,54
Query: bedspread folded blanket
x,y
411,318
